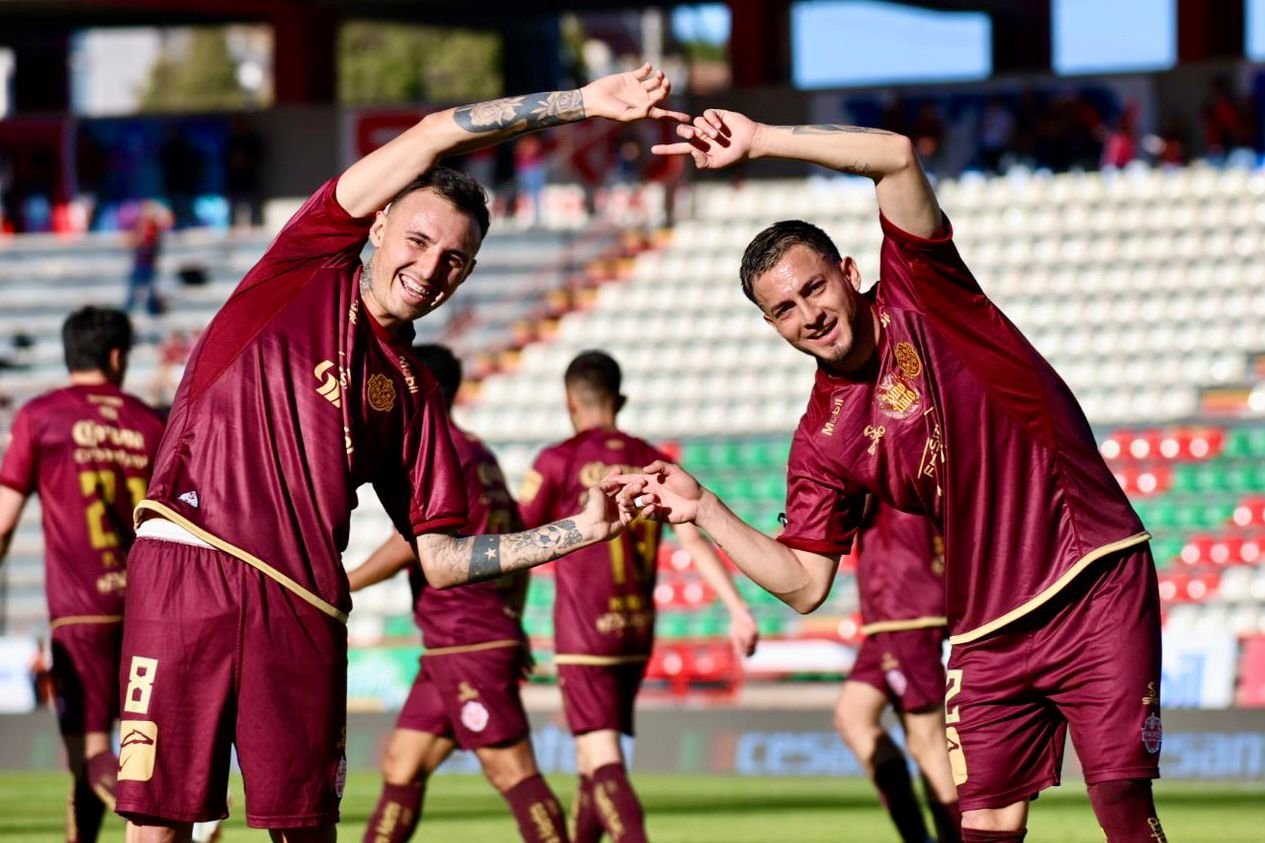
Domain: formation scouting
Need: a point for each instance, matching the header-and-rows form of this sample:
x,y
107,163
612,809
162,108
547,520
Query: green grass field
x,y
694,809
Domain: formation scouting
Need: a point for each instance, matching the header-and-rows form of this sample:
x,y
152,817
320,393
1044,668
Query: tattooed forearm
x,y
450,560
833,129
526,113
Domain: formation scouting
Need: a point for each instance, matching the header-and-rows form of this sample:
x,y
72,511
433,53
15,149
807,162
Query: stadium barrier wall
x,y
1198,745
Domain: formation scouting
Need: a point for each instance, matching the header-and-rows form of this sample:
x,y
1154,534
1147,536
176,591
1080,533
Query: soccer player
x,y
301,389
900,577
927,397
603,613
88,450
467,692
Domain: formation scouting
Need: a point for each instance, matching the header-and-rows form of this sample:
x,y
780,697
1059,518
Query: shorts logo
x,y
907,360
474,716
1152,734
381,393
897,682
897,398
190,498
137,746
340,777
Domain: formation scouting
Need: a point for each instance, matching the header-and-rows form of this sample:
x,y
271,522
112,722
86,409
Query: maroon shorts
x,y
86,676
215,654
471,697
904,665
1089,659
599,697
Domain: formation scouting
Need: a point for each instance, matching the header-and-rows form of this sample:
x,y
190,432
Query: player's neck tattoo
x,y
525,113
366,277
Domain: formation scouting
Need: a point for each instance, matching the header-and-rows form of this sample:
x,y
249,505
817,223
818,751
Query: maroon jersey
x,y
88,451
485,612
959,418
900,572
293,398
604,601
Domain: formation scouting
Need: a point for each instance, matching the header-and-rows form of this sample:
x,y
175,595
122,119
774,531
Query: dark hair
x,y
444,365
89,335
595,372
458,188
772,244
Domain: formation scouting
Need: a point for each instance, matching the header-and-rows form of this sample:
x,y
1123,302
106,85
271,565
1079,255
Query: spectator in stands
x,y
145,239
996,133
244,157
927,133
1227,126
531,175
1121,144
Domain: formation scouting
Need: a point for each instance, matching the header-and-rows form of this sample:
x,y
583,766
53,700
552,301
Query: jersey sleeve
x,y
913,268
539,490
822,513
429,496
320,234
17,471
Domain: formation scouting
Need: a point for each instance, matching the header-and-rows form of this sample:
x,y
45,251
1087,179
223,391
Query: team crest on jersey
x,y
897,398
340,777
474,716
907,359
1152,734
381,393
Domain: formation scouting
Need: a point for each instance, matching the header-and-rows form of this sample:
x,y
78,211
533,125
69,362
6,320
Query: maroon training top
x,y
484,612
900,572
293,398
603,610
88,451
957,417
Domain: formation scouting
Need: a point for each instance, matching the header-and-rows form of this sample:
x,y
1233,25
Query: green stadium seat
x,y
1245,442
399,626
672,626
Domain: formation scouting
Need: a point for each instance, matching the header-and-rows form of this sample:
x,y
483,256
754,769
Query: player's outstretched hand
x,y
744,635
631,95
606,515
663,491
716,139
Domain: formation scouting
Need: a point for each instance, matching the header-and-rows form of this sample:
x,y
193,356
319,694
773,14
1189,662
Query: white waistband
x,y
168,531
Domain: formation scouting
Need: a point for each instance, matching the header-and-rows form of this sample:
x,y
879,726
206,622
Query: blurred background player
x,y
929,398
301,390
900,577
604,601
88,450
467,692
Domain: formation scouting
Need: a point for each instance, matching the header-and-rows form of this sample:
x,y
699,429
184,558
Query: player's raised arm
x,y
743,633
456,560
798,578
394,555
370,183
719,138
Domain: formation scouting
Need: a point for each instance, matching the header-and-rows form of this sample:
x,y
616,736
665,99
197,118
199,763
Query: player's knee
x,y
399,767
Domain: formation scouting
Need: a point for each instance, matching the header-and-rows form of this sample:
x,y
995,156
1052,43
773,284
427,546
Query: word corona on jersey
x,y
591,473
128,449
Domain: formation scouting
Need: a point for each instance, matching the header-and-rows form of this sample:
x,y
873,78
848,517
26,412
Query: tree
x,y
194,72
382,63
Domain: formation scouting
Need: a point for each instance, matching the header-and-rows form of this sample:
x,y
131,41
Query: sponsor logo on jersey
x,y
474,716
1151,697
897,398
874,432
381,393
329,387
190,498
836,407
1152,734
137,746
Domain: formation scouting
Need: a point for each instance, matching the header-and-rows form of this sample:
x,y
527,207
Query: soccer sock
x,y
1126,811
102,771
946,815
617,805
538,811
395,818
84,811
978,835
585,825
896,792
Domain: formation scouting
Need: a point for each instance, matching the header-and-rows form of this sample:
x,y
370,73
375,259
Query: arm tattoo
x,y
525,113
834,129
477,558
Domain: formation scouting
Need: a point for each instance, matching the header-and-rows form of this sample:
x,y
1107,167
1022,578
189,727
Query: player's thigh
x,y
292,709
480,691
1105,653
597,697
178,658
859,710
1005,742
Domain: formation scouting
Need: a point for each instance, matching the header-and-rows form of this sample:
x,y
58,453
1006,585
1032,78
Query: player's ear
x,y
851,272
379,226
620,401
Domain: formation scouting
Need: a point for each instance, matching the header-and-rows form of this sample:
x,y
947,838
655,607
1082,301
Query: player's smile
x,y
417,292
